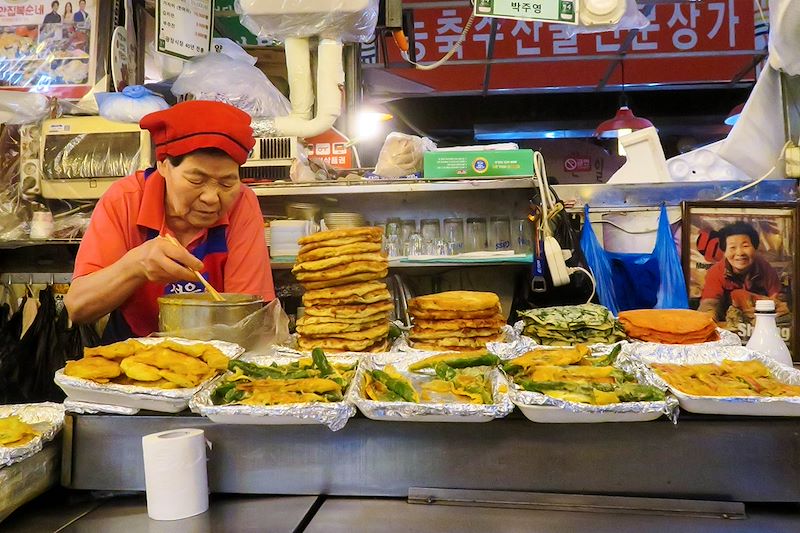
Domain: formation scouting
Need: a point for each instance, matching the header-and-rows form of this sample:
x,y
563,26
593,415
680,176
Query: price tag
x,y
184,27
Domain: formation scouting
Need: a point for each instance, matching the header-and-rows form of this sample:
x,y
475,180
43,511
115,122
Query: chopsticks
x,y
211,290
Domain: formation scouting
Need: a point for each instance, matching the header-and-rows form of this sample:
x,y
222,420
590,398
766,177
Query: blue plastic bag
x,y
637,281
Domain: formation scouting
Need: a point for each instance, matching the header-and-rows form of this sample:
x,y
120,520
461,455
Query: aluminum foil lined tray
x,y
540,407
334,415
47,418
134,397
89,408
726,338
723,405
424,412
401,344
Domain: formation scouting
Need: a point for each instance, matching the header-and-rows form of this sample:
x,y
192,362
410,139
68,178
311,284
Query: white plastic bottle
x,y
766,338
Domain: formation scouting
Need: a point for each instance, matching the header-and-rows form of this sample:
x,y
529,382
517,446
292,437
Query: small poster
x,y
184,27
559,11
735,253
48,46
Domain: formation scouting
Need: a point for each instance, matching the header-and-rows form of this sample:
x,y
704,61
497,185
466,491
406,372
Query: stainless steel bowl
x,y
180,312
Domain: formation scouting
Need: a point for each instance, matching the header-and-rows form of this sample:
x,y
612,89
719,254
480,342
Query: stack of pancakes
x,y
455,321
669,326
346,307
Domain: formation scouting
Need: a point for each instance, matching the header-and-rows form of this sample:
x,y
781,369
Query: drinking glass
x,y
453,236
522,236
476,235
431,234
407,228
413,246
393,226
499,234
391,239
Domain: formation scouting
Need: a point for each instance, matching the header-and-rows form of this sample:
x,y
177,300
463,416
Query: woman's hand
x,y
161,261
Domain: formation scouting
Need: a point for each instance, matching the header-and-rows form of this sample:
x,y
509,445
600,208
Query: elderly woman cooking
x,y
125,262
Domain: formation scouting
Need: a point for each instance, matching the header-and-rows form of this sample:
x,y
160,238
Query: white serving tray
x,y
122,399
267,420
729,405
151,399
429,418
550,414
744,406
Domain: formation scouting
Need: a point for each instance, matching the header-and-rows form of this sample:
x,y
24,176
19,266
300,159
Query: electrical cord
x,y
450,52
573,270
781,157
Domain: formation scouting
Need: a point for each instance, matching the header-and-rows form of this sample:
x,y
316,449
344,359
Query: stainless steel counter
x,y
714,458
128,514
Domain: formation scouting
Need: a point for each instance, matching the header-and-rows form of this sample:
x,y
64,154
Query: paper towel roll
x,y
175,473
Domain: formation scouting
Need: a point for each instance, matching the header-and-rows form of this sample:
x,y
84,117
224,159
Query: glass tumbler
x,y
522,236
453,235
431,234
499,234
476,235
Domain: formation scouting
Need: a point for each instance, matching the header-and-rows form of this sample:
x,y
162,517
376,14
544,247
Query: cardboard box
x,y
478,164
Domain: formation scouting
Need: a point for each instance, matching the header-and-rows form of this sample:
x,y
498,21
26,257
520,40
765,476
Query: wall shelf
x,y
382,186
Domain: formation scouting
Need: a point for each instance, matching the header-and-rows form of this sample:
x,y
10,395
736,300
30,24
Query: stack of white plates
x,y
344,220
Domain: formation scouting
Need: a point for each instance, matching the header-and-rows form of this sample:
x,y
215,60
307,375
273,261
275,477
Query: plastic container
x,y
766,338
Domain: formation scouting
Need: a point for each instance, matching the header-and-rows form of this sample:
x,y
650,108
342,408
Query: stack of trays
x,y
455,321
344,220
346,307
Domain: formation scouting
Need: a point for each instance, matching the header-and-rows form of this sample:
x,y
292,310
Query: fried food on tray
x,y
575,375
455,320
331,262
455,301
669,326
14,432
454,315
341,271
346,308
496,322
333,282
350,311
93,368
434,334
568,325
316,330
313,379
379,295
334,250
307,320
372,234
729,378
166,365
139,371
118,350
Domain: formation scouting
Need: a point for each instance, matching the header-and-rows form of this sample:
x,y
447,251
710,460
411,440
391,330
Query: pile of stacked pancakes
x,y
346,306
455,321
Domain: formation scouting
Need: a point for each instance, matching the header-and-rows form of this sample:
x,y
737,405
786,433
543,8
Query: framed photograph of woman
x,y
735,253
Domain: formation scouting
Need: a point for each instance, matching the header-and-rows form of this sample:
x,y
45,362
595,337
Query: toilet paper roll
x,y
175,473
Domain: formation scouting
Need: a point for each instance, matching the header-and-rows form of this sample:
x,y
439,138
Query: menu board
x,y
47,46
184,27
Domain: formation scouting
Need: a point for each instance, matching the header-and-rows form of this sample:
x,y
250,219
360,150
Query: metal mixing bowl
x,y
180,312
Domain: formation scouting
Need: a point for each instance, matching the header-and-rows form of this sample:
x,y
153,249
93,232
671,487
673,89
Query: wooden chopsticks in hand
x,y
211,290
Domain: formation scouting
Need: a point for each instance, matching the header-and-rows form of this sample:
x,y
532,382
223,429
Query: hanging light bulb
x,y
624,122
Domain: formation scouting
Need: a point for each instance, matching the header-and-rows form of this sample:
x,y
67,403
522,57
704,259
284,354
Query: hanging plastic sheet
x,y
10,359
637,281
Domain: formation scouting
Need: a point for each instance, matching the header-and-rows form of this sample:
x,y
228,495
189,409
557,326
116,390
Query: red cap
x,y
197,124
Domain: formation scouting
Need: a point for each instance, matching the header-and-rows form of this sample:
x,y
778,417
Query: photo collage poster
x,y
47,46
